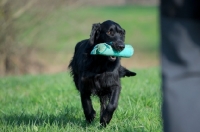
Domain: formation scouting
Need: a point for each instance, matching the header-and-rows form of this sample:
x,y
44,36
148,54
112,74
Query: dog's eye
x,y
110,33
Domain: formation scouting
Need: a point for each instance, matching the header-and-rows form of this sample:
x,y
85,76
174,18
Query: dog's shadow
x,y
42,118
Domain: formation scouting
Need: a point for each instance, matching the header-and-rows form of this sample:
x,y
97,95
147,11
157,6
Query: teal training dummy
x,y
106,50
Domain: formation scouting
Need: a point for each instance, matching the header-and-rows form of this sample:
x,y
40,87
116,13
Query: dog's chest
x,y
103,83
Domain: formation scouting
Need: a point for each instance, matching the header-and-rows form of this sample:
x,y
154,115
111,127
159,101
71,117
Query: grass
x,y
60,29
51,103
53,34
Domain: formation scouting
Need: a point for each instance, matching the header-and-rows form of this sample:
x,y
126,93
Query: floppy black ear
x,y
95,33
124,31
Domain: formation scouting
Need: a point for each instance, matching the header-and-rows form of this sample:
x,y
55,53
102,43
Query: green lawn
x,y
53,34
60,29
51,103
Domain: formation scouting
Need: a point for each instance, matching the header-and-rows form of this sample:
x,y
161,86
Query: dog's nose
x,y
121,47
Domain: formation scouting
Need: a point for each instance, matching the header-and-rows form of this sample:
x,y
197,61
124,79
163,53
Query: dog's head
x,y
107,32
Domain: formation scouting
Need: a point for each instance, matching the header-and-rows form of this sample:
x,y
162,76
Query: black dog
x,y
99,75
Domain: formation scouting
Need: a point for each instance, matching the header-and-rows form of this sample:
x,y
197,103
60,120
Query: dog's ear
x,y
95,33
124,32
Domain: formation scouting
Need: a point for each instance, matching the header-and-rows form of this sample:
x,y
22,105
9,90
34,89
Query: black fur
x,y
99,75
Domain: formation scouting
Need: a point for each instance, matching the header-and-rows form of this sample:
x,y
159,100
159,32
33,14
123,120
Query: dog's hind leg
x,y
76,80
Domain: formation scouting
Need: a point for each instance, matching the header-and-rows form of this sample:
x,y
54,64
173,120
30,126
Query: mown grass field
x,y
55,34
51,103
61,28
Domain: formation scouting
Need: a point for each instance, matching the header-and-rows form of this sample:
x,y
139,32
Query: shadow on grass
x,y
63,119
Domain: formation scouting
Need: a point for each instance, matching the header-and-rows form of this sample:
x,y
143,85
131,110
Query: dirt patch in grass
x,y
141,61
58,62
136,61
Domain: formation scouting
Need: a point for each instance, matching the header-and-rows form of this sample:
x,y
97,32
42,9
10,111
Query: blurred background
x,y
38,36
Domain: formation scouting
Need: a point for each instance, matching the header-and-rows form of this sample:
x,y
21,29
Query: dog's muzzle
x,y
118,45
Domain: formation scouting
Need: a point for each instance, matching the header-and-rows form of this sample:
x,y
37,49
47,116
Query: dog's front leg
x,y
87,107
112,105
103,103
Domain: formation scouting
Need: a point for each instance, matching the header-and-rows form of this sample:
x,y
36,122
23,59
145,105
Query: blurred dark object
x,y
180,50
187,9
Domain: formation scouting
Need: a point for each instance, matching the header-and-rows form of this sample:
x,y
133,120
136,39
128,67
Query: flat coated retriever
x,y
99,75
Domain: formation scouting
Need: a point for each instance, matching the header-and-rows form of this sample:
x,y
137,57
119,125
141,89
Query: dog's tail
x,y
125,72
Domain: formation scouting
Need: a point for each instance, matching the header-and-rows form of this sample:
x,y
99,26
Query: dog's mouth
x,y
112,58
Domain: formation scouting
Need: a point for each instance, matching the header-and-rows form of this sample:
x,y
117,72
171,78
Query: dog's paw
x,y
103,123
105,119
91,116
